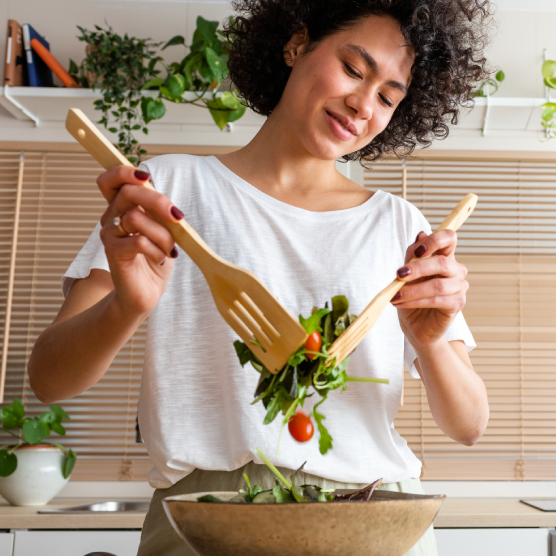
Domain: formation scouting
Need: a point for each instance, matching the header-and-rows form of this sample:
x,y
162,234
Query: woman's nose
x,y
361,105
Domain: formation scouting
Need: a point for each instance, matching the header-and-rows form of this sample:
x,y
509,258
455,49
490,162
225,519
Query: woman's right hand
x,y
141,259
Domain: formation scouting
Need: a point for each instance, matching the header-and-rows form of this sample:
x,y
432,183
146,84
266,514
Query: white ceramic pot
x,y
38,477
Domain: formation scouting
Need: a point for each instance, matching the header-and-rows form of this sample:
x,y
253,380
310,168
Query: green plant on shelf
x,y
202,71
30,431
126,70
119,66
549,108
490,86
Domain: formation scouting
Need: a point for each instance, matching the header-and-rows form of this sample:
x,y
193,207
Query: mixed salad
x,y
284,491
308,371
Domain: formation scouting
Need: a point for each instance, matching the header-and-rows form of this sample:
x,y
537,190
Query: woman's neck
x,y
278,165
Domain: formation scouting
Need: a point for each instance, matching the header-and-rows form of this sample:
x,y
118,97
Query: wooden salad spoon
x,y
351,338
257,317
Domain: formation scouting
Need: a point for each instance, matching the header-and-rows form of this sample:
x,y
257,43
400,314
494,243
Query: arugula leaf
x,y
210,498
298,497
282,495
243,352
325,440
340,307
312,323
280,402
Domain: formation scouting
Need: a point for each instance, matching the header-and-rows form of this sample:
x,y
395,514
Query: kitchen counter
x,y
456,512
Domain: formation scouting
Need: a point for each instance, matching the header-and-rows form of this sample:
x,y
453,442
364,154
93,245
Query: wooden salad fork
x,y
351,338
257,317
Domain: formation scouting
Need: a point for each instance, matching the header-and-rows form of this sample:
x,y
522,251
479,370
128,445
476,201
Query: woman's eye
x,y
385,100
351,71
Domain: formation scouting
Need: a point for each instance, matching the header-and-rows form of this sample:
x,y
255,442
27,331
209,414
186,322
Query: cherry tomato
x,y
301,427
313,343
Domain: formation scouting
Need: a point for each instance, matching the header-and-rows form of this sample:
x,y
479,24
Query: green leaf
x,y
178,39
548,69
210,498
153,109
58,428
500,76
73,69
312,323
298,497
551,83
282,495
325,440
216,63
8,463
68,464
220,114
340,307
548,114
279,402
18,408
155,82
176,85
243,352
60,412
207,29
237,114
265,497
33,431
9,418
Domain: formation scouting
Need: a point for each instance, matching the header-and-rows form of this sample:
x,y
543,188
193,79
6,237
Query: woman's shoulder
x,y
405,214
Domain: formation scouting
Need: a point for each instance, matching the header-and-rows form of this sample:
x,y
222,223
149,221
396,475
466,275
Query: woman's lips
x,y
338,129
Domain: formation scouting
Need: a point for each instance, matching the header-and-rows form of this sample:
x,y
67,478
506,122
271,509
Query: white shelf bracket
x,y
17,104
487,112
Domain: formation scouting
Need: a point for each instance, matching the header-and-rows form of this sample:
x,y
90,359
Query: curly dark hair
x,y
448,37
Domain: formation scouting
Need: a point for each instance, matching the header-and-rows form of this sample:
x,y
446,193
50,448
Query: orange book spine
x,y
53,64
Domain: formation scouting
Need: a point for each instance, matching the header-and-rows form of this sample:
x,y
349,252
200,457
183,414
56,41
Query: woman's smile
x,y
340,126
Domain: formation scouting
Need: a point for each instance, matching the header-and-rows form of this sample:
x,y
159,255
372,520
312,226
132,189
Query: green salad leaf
x,y
286,391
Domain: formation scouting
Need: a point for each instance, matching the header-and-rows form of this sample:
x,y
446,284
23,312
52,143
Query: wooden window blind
x,y
60,205
509,247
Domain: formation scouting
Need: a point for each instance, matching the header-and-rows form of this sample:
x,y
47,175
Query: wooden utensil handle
x,y
108,157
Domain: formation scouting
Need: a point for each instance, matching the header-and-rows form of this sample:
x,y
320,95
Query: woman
x,y
337,79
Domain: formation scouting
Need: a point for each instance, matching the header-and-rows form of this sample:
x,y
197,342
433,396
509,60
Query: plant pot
x,y
38,477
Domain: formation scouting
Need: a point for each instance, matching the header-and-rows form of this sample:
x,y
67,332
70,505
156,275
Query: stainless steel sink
x,y
135,506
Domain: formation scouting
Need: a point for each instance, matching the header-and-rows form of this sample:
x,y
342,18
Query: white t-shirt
x,y
194,407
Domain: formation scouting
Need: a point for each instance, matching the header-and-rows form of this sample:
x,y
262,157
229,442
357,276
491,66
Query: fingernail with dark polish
x,y
397,296
142,175
420,251
404,271
174,253
417,238
177,213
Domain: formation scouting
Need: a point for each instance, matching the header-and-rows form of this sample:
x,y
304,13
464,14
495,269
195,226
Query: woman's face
x,y
343,93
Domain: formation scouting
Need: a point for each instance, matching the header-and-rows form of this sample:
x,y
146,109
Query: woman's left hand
x,y
435,288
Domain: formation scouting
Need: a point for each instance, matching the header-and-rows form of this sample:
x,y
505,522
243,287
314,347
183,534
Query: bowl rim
x,y
388,498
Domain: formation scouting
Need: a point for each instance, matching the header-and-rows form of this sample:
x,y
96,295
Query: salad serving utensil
x,y
352,337
257,317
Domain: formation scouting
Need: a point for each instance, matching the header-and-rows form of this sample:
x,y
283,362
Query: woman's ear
x,y
295,47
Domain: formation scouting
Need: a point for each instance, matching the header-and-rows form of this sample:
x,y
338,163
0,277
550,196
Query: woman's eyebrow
x,y
372,63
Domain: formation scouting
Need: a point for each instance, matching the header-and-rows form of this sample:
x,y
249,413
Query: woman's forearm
x,y
456,394
73,354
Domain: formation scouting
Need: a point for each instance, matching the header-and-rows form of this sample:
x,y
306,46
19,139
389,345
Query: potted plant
x,y
33,471
125,69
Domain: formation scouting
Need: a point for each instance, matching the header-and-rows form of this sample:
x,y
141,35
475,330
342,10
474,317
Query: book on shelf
x,y
55,66
15,72
38,72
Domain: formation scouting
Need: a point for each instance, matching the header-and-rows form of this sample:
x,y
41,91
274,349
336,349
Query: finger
x,y
127,248
111,181
449,304
410,250
130,197
438,265
436,287
137,222
443,242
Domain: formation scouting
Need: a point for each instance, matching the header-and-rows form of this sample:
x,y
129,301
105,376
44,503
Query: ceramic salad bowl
x,y
388,525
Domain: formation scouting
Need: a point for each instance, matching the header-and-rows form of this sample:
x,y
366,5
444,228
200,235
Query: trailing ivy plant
x,y
29,431
119,66
549,112
490,86
202,71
